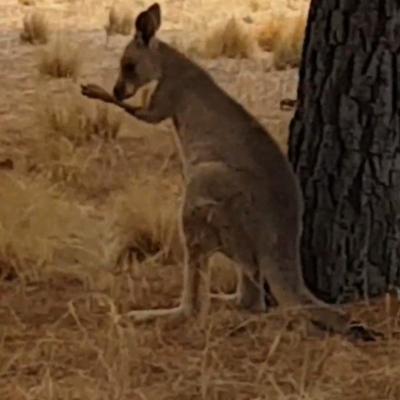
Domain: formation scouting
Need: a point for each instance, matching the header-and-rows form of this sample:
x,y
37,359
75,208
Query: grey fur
x,y
242,197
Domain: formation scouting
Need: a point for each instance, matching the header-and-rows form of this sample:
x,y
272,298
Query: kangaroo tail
x,y
287,286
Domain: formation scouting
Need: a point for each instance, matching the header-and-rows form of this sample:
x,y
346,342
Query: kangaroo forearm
x,y
131,110
141,113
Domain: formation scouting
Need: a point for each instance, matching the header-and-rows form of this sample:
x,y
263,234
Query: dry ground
x,y
76,197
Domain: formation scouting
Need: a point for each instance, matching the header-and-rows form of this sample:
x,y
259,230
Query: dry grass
x,y
27,2
42,233
147,219
284,37
60,59
229,39
86,190
120,20
254,5
74,118
70,125
36,28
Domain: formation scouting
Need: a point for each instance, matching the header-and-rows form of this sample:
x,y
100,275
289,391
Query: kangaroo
x,y
241,198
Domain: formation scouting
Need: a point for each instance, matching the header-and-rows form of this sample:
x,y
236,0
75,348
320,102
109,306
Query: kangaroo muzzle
x,y
118,93
123,91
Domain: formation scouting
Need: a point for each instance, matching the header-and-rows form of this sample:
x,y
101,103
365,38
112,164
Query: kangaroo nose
x,y
117,93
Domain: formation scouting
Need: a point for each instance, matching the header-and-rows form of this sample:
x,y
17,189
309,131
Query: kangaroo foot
x,y
225,296
146,315
359,332
355,331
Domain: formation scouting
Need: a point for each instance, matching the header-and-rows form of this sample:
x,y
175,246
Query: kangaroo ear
x,y
155,13
148,22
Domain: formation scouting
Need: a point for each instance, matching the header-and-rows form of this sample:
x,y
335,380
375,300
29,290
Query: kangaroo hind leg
x,y
283,274
252,292
200,242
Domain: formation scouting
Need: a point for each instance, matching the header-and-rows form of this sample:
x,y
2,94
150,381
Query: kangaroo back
x,y
242,197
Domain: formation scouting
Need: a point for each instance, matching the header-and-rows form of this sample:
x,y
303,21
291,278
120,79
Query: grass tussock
x,y
27,2
284,37
147,219
60,59
41,232
76,119
35,29
230,39
80,150
120,20
254,5
257,5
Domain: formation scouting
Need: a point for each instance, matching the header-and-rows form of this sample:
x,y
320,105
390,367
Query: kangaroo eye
x,y
129,68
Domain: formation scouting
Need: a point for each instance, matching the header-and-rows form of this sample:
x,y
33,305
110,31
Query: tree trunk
x,y
344,146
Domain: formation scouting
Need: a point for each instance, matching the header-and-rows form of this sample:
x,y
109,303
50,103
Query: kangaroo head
x,y
140,62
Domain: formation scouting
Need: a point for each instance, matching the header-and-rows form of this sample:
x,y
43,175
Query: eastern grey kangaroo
x,y
242,197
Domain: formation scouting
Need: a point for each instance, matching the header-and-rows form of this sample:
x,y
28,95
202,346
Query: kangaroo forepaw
x,y
93,91
359,332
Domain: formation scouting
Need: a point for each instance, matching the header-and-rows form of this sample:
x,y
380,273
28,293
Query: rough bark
x,y
344,146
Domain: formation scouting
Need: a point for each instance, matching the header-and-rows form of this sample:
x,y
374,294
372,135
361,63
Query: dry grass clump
x,y
35,29
269,31
27,2
254,5
120,20
284,37
40,231
61,59
257,5
77,119
146,214
228,40
79,148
